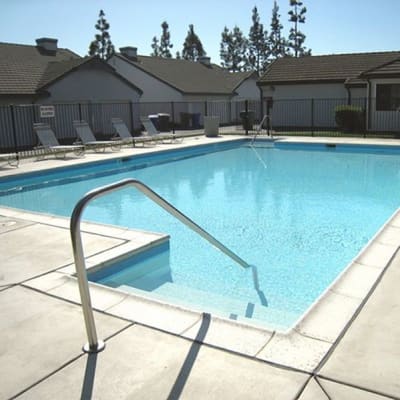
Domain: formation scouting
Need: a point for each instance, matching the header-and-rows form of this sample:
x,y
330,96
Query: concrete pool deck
x,y
152,352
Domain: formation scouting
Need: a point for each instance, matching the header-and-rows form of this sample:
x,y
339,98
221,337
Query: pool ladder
x,y
95,345
267,118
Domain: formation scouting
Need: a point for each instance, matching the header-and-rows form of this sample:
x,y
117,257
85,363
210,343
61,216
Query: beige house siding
x,y
93,85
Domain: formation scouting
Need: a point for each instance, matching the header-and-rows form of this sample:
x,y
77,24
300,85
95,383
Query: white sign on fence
x,y
47,112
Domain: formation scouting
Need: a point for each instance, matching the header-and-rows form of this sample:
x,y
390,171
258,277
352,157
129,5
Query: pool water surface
x,y
299,213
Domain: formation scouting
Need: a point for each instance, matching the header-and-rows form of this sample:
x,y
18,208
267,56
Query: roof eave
x,y
299,82
91,59
210,93
388,75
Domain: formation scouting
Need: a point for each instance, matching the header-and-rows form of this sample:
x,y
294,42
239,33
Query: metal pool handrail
x,y
94,345
259,128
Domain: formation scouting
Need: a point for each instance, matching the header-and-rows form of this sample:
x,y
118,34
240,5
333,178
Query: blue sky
x,y
332,26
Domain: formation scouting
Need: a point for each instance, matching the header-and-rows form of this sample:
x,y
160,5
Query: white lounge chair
x,y
11,159
153,132
122,131
88,139
50,144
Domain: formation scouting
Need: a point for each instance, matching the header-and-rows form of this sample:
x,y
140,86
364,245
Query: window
x,y
388,97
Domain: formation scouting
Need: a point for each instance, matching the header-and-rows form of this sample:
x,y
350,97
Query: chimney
x,y
47,44
205,61
129,52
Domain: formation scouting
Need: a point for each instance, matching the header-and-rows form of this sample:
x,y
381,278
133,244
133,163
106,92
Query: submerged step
x,y
246,310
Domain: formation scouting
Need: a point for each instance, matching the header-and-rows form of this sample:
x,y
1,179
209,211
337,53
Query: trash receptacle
x,y
247,119
211,126
185,120
196,120
163,122
154,119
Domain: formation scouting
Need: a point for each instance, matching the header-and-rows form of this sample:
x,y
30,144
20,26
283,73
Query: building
x,y
181,87
313,86
78,88
47,74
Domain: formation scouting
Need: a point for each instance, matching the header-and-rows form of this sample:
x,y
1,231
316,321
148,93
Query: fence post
x,y
90,113
14,130
80,111
365,117
173,116
312,117
205,108
246,118
35,120
131,115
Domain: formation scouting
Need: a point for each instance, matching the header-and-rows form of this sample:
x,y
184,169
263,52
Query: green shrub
x,y
350,118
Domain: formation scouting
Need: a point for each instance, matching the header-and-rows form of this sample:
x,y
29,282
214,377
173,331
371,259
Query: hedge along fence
x,y
350,118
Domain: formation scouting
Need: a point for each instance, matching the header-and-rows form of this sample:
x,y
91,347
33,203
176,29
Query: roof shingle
x,y
22,67
190,77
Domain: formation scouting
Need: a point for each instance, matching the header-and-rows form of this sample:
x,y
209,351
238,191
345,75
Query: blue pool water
x,y
299,213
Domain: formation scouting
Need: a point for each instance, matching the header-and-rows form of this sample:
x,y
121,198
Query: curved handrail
x,y
259,128
94,345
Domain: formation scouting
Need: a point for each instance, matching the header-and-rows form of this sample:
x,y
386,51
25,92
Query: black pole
x,y
173,117
246,118
364,113
312,117
131,115
14,130
205,108
80,111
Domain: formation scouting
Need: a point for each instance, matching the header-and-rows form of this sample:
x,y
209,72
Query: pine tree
x,y
258,47
156,48
192,47
233,50
225,48
102,45
296,37
276,40
161,47
165,41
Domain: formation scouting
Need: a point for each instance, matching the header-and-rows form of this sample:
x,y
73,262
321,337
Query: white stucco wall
x,y
383,120
248,90
306,91
154,90
359,93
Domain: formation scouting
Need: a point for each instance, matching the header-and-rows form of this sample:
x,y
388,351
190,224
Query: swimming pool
x,y
299,213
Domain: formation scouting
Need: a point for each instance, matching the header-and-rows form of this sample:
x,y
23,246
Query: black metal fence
x,y
286,117
16,121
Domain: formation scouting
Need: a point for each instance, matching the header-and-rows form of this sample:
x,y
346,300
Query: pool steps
x,y
234,309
